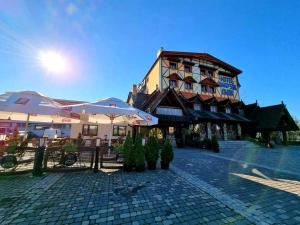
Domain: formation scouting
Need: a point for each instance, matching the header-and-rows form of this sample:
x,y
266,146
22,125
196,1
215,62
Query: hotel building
x,y
201,92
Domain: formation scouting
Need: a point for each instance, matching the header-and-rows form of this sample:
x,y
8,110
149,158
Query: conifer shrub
x,y
207,143
151,153
166,155
139,154
128,151
215,144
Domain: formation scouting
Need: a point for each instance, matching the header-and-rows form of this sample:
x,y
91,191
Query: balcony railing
x,y
171,111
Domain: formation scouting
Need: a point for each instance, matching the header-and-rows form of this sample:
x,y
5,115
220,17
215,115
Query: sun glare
x,y
53,62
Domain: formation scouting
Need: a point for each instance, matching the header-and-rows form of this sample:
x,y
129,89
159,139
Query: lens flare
x,y
53,62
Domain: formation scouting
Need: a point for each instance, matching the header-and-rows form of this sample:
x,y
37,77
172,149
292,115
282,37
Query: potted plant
x,y
151,153
215,145
139,154
10,160
129,161
207,143
70,153
166,155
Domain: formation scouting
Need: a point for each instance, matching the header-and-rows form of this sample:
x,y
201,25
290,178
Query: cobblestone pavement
x,y
152,197
280,157
264,195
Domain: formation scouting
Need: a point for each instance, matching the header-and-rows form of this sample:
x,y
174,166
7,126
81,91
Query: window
x,y
204,88
171,130
213,108
210,73
188,86
173,65
173,83
89,130
119,130
202,72
41,127
197,107
187,68
211,90
228,110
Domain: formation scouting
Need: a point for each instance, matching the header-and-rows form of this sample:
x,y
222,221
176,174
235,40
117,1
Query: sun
x,y
53,61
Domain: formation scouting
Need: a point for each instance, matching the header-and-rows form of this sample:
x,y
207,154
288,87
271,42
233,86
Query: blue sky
x,y
112,44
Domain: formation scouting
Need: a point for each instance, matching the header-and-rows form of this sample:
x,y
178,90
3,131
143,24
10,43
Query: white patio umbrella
x,y
32,106
112,110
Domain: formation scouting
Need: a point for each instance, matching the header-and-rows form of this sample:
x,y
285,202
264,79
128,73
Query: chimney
x,y
134,90
159,51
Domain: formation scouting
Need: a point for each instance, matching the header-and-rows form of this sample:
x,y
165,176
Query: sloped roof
x,y
174,76
189,79
210,82
204,56
272,118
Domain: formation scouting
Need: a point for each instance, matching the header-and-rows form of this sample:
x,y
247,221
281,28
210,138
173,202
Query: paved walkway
x,y
265,195
200,188
281,157
153,197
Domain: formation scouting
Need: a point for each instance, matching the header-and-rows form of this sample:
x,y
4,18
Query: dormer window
x,y
213,108
188,86
187,68
228,110
173,65
173,83
197,107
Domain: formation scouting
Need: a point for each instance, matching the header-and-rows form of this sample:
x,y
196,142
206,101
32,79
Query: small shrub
x,y
70,147
166,155
128,151
12,148
215,145
151,153
139,154
119,148
207,143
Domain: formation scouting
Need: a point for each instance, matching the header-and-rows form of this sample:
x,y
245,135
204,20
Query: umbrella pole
x,y
26,127
110,134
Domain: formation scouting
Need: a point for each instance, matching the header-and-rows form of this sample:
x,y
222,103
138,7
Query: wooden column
x,y
225,131
209,130
284,138
239,130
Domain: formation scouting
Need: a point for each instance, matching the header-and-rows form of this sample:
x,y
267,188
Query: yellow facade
x,y
157,77
152,80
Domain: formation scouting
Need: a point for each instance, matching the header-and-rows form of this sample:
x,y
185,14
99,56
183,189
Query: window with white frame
x,y
173,83
173,65
228,110
188,86
187,68
197,107
213,108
